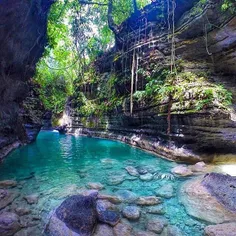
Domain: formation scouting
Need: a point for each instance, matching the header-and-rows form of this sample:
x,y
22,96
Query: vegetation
x,y
79,32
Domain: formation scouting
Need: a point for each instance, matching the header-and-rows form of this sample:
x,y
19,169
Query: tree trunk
x,y
135,6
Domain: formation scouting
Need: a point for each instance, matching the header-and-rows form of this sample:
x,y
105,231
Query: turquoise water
x,y
56,166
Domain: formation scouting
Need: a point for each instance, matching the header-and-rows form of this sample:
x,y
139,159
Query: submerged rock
x,y
181,170
8,184
148,201
111,198
199,167
131,212
75,216
156,225
22,211
96,186
115,179
132,171
166,191
227,229
123,229
103,230
160,210
146,177
7,197
126,196
32,199
173,230
9,223
109,217
142,170
201,204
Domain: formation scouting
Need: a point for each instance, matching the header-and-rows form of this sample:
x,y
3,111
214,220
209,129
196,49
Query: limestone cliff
x,y
22,40
205,43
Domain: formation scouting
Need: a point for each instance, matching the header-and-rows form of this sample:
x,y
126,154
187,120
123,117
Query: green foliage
x,y
229,5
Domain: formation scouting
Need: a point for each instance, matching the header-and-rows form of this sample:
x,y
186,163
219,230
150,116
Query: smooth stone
x,y
9,224
103,230
110,198
78,213
56,227
22,211
96,186
32,199
103,205
227,229
132,171
142,170
156,225
122,229
86,192
181,170
200,204
7,197
166,191
8,184
126,196
148,201
199,167
131,178
160,210
146,177
131,212
108,217
173,230
115,179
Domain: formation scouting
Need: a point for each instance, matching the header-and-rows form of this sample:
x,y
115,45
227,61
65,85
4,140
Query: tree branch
x,y
111,22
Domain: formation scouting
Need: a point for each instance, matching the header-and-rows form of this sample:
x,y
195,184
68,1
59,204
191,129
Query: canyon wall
x,y
205,43
22,41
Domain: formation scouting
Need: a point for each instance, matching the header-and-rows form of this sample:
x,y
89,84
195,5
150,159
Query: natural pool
x,y
57,166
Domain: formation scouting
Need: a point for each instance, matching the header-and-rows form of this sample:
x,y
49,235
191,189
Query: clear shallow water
x,y
56,166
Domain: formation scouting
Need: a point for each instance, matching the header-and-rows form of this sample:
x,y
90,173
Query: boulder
x,y
144,233
199,167
200,204
181,170
110,198
166,191
156,225
103,230
227,229
115,179
9,224
148,201
132,171
96,186
108,217
123,229
142,170
32,199
223,188
146,177
131,212
75,216
8,184
160,210
126,196
7,197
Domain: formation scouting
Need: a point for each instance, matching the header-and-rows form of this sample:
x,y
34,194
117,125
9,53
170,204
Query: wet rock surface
x,y
200,203
223,188
227,229
131,212
7,197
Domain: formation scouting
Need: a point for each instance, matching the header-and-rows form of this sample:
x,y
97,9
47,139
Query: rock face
x,y
227,229
22,41
200,203
223,188
195,134
7,197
